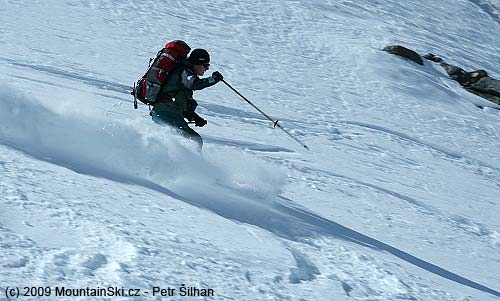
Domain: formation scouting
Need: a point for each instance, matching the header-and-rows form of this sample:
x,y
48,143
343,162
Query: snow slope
x,y
397,199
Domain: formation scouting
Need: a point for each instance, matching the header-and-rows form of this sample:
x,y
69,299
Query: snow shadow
x,y
247,145
282,217
286,220
293,223
328,227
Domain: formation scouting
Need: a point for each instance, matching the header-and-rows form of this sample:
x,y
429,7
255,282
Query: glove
x,y
217,76
198,121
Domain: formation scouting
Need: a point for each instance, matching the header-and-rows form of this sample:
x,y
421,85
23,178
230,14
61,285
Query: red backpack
x,y
159,70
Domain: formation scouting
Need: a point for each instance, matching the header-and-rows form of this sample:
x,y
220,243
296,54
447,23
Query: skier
x,y
177,95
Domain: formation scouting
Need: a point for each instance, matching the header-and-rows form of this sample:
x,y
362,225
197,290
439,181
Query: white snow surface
x,y
397,199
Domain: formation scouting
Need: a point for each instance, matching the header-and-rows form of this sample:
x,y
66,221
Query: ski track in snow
x,y
94,81
463,160
460,222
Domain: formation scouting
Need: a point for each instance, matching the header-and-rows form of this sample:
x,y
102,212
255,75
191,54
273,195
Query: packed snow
x,y
397,199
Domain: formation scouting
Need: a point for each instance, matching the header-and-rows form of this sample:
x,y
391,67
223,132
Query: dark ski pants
x,y
178,123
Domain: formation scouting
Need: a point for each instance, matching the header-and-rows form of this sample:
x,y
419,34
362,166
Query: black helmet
x,y
199,57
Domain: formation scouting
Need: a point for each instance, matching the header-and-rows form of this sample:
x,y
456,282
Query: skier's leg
x,y
192,135
180,124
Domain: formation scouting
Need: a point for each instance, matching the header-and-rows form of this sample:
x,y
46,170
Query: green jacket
x,y
180,87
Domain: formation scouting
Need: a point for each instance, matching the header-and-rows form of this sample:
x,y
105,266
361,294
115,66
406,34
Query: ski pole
x,y
267,116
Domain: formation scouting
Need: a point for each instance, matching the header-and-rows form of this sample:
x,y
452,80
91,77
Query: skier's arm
x,y
193,82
